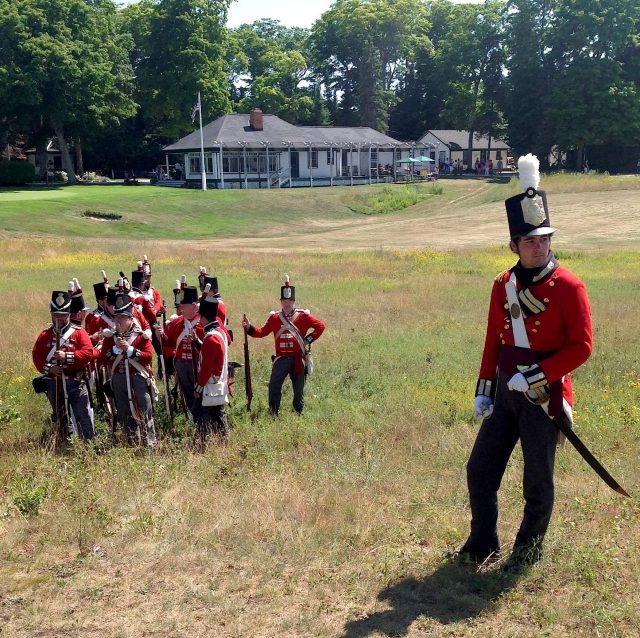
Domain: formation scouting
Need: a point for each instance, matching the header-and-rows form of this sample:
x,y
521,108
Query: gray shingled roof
x,y
233,129
459,140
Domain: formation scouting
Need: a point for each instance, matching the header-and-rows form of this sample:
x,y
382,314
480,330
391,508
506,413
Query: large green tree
x,y
64,69
361,48
179,50
471,56
594,100
271,72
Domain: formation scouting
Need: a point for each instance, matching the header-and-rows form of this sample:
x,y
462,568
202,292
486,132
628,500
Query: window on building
x,y
398,154
498,154
194,165
232,163
374,158
313,155
273,163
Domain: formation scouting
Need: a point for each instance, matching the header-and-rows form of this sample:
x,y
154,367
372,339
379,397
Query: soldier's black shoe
x,y
466,557
522,558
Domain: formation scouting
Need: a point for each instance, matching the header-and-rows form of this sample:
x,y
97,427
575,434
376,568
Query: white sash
x,y
63,341
188,329
217,392
140,368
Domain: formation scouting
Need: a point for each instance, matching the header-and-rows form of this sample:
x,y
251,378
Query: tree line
x,y
120,83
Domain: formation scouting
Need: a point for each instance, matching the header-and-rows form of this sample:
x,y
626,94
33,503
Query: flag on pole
x,y
196,109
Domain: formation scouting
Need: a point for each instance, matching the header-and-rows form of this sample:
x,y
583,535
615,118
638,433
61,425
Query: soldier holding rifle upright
x,y
128,353
538,332
180,335
294,331
61,354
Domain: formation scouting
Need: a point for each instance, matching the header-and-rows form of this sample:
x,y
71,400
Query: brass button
x,y
552,283
537,323
534,330
503,342
506,306
501,335
546,300
506,326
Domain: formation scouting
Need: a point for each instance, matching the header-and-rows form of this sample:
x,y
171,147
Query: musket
x,y
562,424
247,369
70,418
133,403
165,379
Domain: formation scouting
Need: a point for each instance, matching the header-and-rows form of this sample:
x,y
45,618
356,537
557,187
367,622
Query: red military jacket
x,y
174,340
558,323
222,310
144,307
286,344
74,341
96,322
154,300
142,352
212,356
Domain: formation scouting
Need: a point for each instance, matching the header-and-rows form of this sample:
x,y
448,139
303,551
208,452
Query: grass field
x,y
333,524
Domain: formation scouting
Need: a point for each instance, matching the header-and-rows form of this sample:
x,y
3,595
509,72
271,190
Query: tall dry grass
x,y
332,524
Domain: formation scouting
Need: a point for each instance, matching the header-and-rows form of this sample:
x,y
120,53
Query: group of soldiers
x,y
538,332
108,354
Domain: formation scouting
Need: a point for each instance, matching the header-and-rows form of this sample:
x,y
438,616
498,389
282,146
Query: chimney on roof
x,y
256,120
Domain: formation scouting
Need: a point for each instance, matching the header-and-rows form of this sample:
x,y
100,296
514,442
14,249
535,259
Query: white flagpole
x,y
203,168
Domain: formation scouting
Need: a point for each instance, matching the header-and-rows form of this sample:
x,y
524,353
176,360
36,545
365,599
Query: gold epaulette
x,y
500,275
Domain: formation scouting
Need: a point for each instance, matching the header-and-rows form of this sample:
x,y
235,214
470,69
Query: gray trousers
x,y
514,418
282,368
186,380
78,398
209,419
131,425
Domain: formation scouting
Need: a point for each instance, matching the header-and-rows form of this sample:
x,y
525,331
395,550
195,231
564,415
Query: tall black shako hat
x,y
176,294
209,308
137,279
100,289
210,280
201,278
528,213
112,293
123,306
144,265
77,300
189,294
60,301
287,291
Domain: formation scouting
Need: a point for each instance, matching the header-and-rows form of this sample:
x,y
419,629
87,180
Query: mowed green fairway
x,y
170,213
333,524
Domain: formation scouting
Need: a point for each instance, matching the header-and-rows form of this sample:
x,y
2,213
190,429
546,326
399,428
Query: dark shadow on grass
x,y
451,594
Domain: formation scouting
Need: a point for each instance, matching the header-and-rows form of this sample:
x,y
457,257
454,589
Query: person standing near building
x,y
538,332
294,331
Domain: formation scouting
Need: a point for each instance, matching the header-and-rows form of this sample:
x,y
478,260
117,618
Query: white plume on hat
x,y
528,169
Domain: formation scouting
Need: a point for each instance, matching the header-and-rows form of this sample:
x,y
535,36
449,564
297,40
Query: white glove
x,y
518,383
483,407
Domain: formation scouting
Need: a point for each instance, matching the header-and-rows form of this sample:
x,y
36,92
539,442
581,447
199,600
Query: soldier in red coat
x,y
538,332
61,354
128,353
211,393
182,336
294,331
205,279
